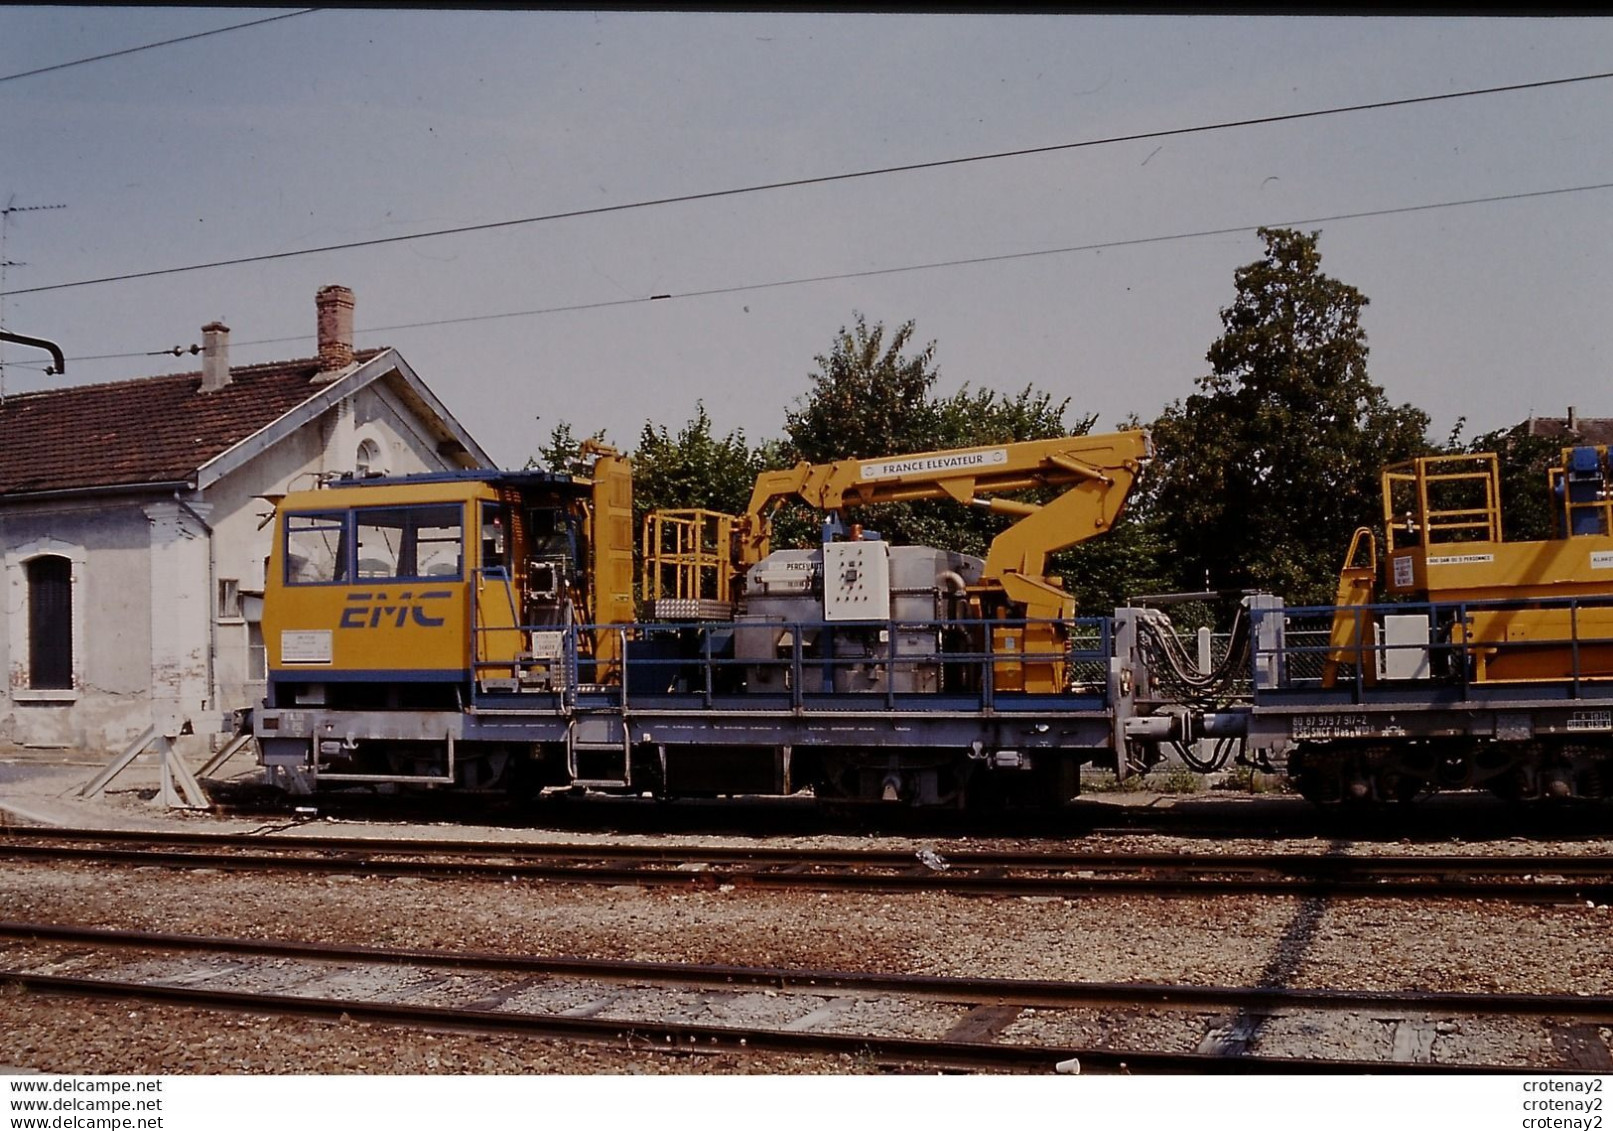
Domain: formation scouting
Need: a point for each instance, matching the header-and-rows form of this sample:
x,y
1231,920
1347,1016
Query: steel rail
x,y
906,1051
1578,864
1588,1009
916,879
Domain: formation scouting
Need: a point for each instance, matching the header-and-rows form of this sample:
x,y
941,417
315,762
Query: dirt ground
x,y
1469,946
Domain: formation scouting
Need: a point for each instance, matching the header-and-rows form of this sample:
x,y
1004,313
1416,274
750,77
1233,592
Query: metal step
x,y
597,751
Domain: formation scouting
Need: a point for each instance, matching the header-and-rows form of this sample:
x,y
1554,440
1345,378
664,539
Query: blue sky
x,y
350,125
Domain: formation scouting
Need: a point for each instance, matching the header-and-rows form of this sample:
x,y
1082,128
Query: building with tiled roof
x,y
132,520
1571,429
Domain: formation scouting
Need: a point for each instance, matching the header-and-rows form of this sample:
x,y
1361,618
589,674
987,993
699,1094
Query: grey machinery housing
x,y
856,606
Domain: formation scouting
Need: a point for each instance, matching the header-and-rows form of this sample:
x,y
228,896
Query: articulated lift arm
x,y
1098,472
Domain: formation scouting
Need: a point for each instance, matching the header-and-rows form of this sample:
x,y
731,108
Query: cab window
x,y
316,548
409,543
494,541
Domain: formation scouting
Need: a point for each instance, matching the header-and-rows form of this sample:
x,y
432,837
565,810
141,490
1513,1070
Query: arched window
x,y
50,623
368,459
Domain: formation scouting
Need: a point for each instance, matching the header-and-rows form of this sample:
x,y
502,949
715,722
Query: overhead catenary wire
x,y
823,179
710,292
150,46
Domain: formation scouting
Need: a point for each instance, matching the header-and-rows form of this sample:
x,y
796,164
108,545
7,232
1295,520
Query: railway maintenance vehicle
x,y
479,630
476,629
1453,659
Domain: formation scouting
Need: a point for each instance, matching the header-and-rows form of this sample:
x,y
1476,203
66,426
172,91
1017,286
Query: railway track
x,y
1538,878
1471,816
642,1003
1465,815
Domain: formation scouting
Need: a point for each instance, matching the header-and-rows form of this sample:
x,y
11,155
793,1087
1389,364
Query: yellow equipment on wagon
x,y
1516,611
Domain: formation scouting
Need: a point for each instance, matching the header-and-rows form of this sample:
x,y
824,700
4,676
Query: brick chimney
x,y
335,305
1573,419
215,357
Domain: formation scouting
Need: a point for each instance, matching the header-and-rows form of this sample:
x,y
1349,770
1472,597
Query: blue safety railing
x,y
694,662
1466,640
803,665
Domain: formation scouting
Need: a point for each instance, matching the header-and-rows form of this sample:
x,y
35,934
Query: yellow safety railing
x,y
688,564
1442,499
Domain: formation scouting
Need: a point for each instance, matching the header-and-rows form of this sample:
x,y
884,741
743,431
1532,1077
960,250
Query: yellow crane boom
x,y
1096,473
1098,470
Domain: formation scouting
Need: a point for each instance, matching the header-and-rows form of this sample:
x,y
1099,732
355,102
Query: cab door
x,y
499,640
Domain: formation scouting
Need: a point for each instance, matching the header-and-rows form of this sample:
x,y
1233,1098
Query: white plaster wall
x,y
181,608
112,606
147,592
409,447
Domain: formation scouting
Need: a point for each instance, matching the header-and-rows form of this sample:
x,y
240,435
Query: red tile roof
x,y
1585,430
150,430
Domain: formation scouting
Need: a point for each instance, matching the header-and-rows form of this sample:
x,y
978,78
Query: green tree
x,y
693,468
975,417
1126,562
873,394
866,398
561,451
1528,512
1263,474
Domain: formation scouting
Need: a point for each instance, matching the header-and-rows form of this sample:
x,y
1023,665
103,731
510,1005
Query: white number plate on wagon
x,y
1329,726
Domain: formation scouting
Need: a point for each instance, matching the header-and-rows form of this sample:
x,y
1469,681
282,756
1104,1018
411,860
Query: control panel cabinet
x,y
856,581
